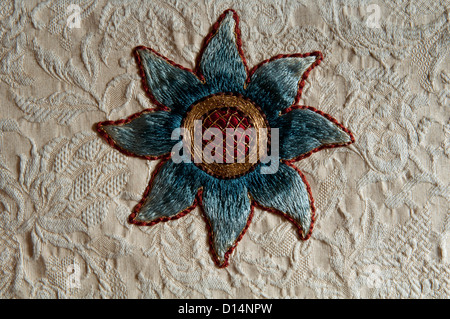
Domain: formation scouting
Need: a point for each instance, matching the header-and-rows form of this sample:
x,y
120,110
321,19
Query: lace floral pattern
x,y
382,204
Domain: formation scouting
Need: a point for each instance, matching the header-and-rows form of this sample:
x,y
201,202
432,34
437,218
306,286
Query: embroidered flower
x,y
222,94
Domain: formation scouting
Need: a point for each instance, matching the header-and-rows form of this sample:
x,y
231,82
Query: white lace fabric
x,y
383,217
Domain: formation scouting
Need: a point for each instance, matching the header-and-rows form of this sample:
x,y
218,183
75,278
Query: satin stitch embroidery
x,y
221,94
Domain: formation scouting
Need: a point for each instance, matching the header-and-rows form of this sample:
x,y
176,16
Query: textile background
x,y
383,221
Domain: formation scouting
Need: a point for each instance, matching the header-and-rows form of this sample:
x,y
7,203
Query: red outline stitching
x,y
164,158
211,34
102,132
226,256
301,82
303,236
328,117
137,208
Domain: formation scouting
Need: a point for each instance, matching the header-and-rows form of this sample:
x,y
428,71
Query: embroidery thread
x,y
224,95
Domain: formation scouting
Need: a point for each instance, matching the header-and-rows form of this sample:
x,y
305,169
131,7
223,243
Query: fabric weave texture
x,y
382,203
227,204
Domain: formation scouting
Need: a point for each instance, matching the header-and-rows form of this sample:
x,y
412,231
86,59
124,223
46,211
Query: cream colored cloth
x,y
383,203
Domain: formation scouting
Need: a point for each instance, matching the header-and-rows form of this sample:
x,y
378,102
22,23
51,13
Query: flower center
x,y
234,120
225,133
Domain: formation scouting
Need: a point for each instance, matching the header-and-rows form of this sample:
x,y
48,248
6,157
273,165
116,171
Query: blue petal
x,y
174,189
171,85
147,135
227,208
274,85
302,130
221,64
284,191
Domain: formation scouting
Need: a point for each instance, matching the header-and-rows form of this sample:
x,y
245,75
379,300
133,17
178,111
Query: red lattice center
x,y
233,120
228,118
